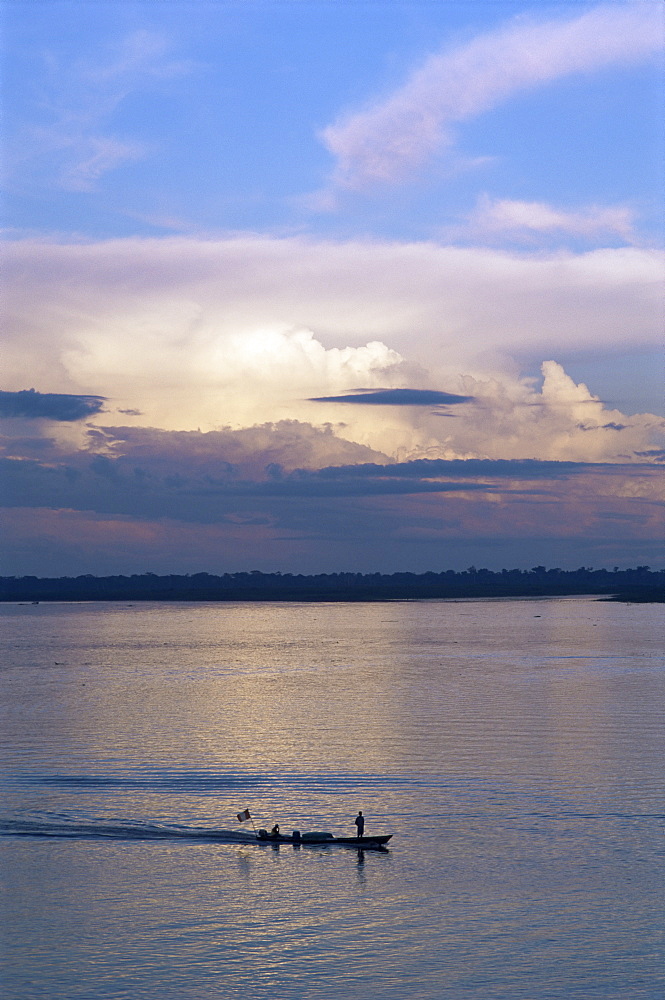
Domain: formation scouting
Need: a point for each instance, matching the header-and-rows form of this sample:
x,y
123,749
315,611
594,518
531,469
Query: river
x,y
514,749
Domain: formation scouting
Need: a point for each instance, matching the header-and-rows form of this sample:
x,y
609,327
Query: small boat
x,y
370,842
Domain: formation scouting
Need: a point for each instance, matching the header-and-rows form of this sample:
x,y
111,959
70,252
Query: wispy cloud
x,y
389,140
526,219
78,144
139,56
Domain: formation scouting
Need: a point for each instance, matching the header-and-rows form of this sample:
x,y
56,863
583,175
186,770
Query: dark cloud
x,y
159,486
617,516
288,491
292,485
27,447
33,405
485,468
395,397
115,486
603,427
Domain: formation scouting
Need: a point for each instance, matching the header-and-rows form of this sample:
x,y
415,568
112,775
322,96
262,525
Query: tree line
x,y
638,584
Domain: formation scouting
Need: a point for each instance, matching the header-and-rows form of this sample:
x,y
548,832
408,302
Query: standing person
x,y
360,823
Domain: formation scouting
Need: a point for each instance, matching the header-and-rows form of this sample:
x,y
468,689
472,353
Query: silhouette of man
x,y
360,823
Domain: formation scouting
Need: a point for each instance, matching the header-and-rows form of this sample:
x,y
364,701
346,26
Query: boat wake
x,y
120,829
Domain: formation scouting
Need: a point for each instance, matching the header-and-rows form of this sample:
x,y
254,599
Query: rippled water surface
x,y
514,749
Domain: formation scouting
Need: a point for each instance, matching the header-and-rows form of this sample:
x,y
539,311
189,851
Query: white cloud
x,y
297,359
561,421
242,331
504,216
389,140
439,306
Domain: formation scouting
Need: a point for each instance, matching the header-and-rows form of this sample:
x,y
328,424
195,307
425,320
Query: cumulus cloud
x,y
192,334
514,429
33,405
179,327
389,140
560,421
295,357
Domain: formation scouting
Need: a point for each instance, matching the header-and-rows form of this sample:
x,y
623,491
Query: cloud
x,y
395,397
33,405
289,495
524,219
77,145
310,317
140,55
168,514
87,158
111,486
208,477
486,469
398,534
240,332
389,140
611,426
250,453
559,421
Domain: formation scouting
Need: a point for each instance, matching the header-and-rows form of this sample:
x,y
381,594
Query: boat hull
x,y
309,840
379,841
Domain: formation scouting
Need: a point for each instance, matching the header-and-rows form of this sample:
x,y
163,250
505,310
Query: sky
x,y
355,286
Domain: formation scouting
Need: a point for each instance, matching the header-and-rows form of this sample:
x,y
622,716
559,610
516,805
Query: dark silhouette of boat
x,y
368,842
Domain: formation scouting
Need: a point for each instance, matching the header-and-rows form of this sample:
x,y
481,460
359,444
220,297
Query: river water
x,y
513,748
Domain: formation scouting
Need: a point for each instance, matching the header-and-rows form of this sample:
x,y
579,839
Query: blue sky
x,y
224,219
140,118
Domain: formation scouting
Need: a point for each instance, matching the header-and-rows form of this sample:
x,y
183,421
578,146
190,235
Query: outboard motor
x,y
296,836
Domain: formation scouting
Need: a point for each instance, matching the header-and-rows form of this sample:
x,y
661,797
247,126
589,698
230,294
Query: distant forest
x,y
639,584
